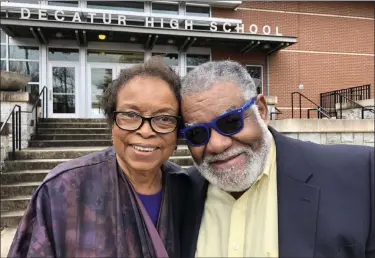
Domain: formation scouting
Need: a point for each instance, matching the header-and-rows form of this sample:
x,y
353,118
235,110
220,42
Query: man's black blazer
x,y
326,201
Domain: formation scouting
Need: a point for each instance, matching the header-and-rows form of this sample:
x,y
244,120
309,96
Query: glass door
x,y
99,77
63,78
121,67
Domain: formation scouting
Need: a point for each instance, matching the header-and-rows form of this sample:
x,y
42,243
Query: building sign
x,y
120,19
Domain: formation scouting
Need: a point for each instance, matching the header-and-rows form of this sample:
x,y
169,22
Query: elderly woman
x,y
124,201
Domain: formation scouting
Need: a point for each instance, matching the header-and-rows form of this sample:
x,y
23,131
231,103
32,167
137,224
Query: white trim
x,y
268,74
303,13
182,63
24,60
262,73
43,66
82,92
325,52
289,108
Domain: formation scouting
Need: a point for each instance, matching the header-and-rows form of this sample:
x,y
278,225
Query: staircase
x,y
58,140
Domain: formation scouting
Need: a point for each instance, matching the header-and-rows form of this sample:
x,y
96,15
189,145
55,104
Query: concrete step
x,y
72,152
73,120
43,131
15,203
68,143
24,188
34,164
45,164
21,176
73,137
11,218
72,125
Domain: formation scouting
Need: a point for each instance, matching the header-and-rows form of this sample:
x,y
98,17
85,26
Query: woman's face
x,y
144,149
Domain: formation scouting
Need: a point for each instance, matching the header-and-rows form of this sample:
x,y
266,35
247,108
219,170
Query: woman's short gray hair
x,y
205,75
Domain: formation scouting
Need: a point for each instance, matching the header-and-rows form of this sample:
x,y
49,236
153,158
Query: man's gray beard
x,y
236,179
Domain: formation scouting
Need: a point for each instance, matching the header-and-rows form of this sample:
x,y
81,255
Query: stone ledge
x,y
8,96
323,126
271,100
349,105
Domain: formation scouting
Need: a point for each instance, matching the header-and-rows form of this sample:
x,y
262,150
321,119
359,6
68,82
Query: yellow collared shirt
x,y
246,227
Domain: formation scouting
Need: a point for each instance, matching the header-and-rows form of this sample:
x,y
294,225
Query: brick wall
x,y
349,41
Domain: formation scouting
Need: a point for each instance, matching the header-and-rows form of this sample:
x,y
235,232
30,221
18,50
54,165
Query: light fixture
x,y
59,35
102,36
132,39
266,46
170,41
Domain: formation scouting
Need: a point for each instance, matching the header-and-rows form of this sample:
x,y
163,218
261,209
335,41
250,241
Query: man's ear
x,y
263,108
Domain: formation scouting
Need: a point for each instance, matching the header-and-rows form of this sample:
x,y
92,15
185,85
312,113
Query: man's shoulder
x,y
337,162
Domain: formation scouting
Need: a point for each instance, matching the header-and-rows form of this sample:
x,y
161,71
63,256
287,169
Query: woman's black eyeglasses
x,y
131,121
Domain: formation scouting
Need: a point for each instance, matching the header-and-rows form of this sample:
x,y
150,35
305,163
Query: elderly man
x,y
261,194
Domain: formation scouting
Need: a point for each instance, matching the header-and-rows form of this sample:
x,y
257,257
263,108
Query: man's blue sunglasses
x,y
227,124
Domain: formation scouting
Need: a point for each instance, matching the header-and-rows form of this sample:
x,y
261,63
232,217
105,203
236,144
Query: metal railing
x,y
16,128
34,110
321,111
275,112
356,105
16,120
328,100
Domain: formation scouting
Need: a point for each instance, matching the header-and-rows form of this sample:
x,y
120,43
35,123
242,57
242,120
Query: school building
x,y
74,48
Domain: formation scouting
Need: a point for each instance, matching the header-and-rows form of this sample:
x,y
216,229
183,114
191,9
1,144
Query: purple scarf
x,y
87,208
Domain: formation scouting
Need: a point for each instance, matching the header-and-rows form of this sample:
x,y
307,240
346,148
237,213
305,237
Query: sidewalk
x,y
7,235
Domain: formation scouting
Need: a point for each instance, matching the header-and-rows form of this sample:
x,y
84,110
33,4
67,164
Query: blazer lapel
x,y
297,200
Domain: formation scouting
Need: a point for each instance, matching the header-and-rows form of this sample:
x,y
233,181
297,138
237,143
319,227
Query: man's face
x,y
233,163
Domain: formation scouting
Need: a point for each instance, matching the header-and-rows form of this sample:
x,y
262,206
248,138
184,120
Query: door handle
x,y
49,95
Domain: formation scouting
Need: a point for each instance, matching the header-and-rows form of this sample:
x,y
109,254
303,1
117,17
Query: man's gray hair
x,y
207,74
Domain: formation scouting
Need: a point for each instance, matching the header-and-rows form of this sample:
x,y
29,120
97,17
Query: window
x,y
193,60
115,57
3,65
256,73
24,1
3,48
64,3
25,60
133,6
63,54
165,8
30,68
201,11
170,59
24,52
